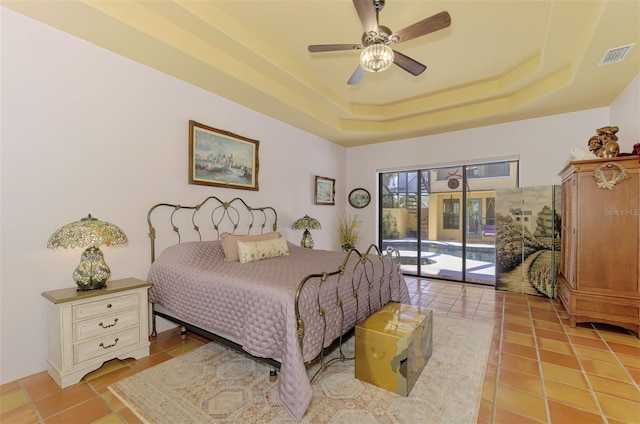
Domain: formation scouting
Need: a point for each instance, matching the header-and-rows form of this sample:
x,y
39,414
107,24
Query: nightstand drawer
x,y
85,330
108,345
101,307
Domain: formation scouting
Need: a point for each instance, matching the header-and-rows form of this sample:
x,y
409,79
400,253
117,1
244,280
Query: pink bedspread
x,y
254,303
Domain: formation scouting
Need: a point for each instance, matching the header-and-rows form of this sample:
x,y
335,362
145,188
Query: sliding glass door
x,y
404,196
442,220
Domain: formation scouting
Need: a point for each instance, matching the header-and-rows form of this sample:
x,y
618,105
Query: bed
x,y
286,308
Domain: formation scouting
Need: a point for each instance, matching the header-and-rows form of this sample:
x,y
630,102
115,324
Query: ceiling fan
x,y
377,54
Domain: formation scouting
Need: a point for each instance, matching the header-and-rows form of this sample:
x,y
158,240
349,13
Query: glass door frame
x,y
475,183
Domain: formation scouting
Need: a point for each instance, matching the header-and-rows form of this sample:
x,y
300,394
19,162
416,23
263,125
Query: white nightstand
x,y
87,328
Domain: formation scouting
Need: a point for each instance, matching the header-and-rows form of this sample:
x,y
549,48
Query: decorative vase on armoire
x,y
600,276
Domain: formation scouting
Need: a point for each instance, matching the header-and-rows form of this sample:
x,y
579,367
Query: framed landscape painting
x,y
325,191
222,159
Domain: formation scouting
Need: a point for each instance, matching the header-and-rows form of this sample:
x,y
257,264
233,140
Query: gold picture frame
x,y
325,191
222,159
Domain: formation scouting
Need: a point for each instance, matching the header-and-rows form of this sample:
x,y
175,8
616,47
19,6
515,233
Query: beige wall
x,y
624,113
87,131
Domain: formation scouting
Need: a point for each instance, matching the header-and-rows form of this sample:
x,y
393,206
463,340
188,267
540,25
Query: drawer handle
x,y
109,306
115,321
377,355
109,346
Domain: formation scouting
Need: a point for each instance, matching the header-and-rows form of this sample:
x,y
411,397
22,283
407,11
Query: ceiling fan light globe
x,y
376,57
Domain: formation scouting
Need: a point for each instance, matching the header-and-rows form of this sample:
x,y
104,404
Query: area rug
x,y
214,384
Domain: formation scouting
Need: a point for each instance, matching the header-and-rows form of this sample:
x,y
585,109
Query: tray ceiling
x,y
499,61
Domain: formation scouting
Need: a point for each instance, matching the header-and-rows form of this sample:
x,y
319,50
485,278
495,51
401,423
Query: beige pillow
x,y
230,243
251,251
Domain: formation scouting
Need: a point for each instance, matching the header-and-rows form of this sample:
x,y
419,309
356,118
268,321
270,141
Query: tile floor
x,y
540,370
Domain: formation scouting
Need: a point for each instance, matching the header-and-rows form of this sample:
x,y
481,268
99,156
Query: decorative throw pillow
x,y
230,243
251,251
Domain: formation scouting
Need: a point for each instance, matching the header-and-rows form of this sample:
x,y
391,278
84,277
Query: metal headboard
x,y
213,216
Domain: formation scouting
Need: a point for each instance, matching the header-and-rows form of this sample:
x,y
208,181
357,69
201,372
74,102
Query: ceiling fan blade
x,y
367,14
356,76
423,27
414,67
333,47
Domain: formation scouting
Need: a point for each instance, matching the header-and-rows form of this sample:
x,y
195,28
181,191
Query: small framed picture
x,y
325,191
359,198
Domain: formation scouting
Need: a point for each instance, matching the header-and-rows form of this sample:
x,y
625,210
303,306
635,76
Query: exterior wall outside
x,y
440,186
438,232
401,222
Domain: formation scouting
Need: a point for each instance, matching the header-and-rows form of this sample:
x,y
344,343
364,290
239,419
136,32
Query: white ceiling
x,y
499,61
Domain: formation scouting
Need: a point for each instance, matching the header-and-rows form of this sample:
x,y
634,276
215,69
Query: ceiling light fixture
x,y
376,57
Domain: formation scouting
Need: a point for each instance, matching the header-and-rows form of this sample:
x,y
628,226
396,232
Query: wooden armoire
x,y
599,277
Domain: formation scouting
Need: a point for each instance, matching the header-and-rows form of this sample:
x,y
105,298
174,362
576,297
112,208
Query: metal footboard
x,y
362,281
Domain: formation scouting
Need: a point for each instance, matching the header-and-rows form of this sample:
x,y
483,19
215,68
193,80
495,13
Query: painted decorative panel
x,y
528,240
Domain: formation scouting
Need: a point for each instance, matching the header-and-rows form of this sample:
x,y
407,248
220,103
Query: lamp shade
x,y
89,233
376,57
306,223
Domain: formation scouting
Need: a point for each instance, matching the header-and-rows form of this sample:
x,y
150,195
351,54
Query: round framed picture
x,y
359,198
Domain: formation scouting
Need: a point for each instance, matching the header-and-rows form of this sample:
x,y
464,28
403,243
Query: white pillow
x,y
251,251
230,243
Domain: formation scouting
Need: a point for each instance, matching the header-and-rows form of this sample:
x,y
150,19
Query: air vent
x,y
615,55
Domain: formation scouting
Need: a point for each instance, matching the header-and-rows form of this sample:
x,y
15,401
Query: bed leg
x,y
153,321
183,333
273,375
